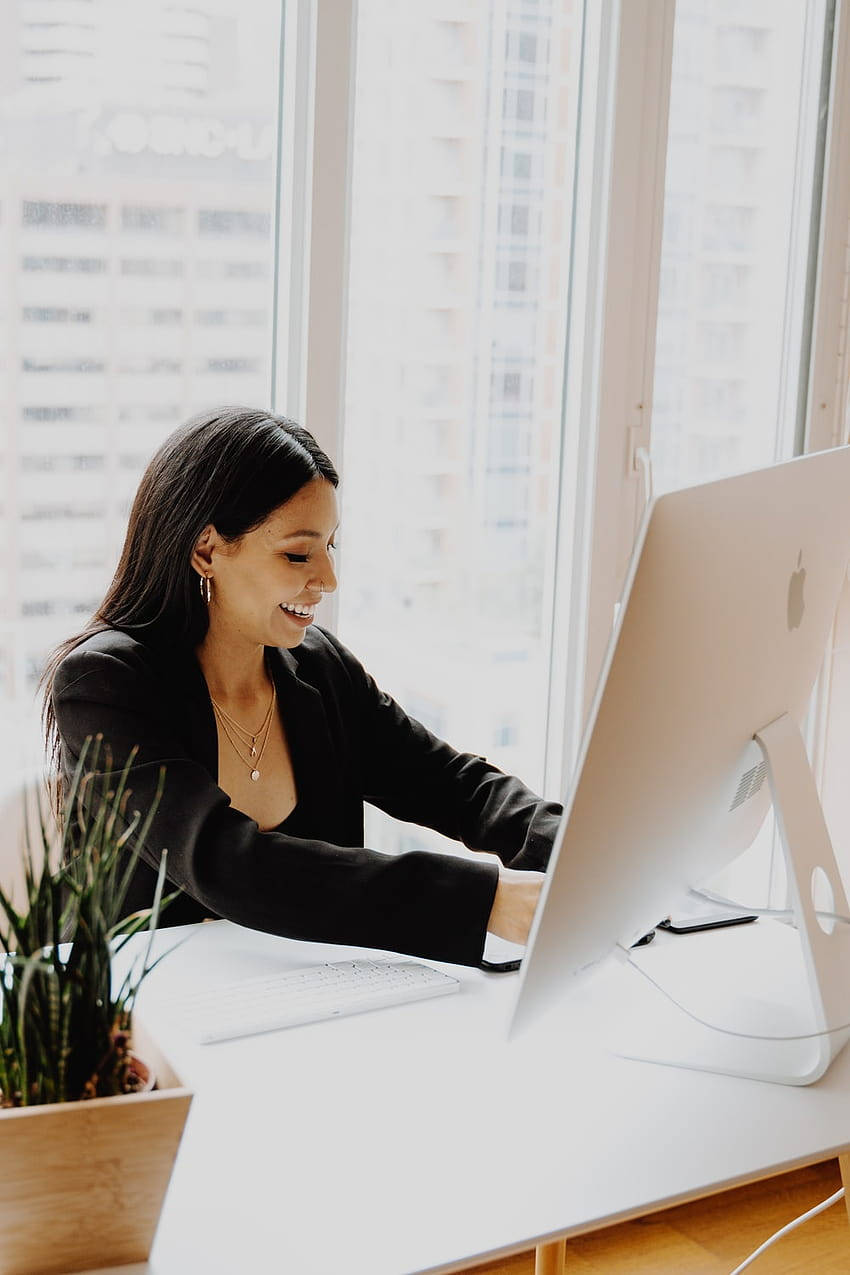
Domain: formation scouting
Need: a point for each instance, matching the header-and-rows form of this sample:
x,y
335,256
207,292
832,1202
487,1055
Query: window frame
x,y
611,359
315,140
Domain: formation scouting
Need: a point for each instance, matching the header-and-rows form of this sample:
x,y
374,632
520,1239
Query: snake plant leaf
x,y
64,1029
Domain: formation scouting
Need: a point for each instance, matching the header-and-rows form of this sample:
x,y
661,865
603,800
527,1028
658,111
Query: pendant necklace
x,y
248,738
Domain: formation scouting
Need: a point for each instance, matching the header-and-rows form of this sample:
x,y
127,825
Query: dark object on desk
x,y
508,967
714,921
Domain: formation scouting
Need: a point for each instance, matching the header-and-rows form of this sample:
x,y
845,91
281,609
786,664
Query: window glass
x,y
738,155
136,200
464,136
739,197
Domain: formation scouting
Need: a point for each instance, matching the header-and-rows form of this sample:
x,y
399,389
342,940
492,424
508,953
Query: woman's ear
x,y
202,557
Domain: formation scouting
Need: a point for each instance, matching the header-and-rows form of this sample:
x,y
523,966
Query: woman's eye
x,y
298,557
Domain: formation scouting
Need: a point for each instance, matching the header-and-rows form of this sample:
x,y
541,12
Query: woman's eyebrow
x,y
314,535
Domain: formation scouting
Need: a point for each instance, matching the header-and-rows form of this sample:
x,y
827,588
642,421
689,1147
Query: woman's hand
x,y
514,905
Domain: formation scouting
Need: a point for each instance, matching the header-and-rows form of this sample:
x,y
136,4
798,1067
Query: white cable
x,y
711,896
725,1031
778,914
798,1221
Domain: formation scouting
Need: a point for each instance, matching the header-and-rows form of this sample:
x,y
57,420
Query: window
x,y
470,499
151,266
734,108
150,413
729,228
60,464
145,365
723,286
521,46
741,160
518,104
734,167
232,269
43,414
725,291
88,366
522,165
63,216
506,735
506,387
230,318
220,221
742,49
721,343
230,365
63,513
444,216
54,314
515,220
148,220
517,276
65,265
114,244
509,444
140,316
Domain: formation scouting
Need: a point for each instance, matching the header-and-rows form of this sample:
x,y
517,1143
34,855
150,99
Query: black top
x,y
311,877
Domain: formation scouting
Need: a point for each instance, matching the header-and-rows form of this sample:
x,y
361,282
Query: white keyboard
x,y
272,1001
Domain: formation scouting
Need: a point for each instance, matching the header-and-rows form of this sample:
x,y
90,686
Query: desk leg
x,y
549,1258
844,1166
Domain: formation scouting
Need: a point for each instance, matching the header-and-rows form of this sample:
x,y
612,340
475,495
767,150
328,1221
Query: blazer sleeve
x,y
415,776
424,904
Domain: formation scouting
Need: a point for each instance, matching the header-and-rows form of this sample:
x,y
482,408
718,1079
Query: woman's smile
x,y
298,613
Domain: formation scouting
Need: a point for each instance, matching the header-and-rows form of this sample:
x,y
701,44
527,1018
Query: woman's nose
x,y
326,578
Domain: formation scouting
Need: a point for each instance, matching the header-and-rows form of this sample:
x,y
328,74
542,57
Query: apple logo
x,y
796,605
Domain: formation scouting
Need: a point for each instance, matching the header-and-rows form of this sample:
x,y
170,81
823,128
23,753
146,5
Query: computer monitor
x,y
695,724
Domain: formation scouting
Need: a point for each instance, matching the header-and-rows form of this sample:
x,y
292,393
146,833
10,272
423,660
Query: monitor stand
x,y
801,977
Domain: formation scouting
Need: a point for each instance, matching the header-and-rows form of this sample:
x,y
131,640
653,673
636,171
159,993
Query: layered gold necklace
x,y
245,744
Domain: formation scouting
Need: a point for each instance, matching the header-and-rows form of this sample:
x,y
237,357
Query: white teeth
x,y
304,612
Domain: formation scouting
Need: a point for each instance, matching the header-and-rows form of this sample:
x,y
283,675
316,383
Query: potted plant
x,y
88,1136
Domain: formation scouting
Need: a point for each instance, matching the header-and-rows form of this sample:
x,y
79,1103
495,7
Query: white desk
x,y
416,1139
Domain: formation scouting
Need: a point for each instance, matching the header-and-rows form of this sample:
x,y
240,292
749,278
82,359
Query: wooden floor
x,y
712,1236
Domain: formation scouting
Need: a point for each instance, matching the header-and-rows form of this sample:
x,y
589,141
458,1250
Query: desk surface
x,y
420,1139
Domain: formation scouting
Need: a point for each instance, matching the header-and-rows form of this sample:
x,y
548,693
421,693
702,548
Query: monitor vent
x,y
751,782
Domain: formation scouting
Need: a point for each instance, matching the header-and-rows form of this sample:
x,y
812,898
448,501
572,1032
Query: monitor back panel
x,y
723,629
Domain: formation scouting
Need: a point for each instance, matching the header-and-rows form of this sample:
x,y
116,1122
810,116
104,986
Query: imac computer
x,y
696,725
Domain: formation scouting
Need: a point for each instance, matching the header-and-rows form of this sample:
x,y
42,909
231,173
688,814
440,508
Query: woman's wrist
x,y
514,904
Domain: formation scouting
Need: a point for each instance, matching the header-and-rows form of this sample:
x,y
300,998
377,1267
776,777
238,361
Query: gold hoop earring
x,y
206,589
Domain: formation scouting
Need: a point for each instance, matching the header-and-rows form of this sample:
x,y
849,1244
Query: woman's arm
x,y
414,776
428,905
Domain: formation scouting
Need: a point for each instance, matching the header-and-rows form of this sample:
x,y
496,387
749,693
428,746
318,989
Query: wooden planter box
x,y
82,1183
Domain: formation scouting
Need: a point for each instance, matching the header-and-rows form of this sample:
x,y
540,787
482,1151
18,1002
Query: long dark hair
x,y
230,467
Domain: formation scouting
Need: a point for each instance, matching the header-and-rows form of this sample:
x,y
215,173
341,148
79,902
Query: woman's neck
x,y
235,672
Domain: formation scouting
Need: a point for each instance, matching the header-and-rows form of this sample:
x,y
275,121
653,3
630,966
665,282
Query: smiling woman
x,y
261,591
204,656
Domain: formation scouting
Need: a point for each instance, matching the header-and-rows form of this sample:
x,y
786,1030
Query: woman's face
x,y
264,587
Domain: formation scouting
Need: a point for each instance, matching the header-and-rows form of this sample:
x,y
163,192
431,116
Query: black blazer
x,y
349,743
